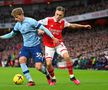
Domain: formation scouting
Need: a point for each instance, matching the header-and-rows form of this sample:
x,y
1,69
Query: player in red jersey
x,y
56,24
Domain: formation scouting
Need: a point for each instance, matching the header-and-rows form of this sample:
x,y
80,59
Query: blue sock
x,y
26,71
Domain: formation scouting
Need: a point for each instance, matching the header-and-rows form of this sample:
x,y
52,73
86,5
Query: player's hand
x,y
55,41
0,37
40,32
87,26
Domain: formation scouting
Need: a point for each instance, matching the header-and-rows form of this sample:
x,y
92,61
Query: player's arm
x,y
9,35
77,26
40,26
48,33
43,22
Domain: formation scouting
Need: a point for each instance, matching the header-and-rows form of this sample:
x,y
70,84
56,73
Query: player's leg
x,y
40,67
69,65
62,50
22,60
52,80
49,54
38,58
36,53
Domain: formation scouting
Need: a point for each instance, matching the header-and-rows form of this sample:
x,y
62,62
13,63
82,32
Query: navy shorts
x,y
32,52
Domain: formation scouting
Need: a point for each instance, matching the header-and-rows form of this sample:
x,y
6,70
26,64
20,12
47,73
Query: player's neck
x,y
56,19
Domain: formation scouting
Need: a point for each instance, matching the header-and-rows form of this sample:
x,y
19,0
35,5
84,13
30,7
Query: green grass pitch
x,y
90,80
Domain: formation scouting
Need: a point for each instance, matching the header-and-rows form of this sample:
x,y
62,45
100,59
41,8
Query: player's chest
x,y
25,27
56,26
55,29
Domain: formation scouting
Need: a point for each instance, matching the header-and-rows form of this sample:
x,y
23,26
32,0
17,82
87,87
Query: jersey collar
x,y
56,21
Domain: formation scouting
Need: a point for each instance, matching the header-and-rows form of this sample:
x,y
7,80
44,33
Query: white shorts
x,y
60,49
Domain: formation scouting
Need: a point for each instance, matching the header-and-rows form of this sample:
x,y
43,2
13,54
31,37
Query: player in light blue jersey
x,y
31,43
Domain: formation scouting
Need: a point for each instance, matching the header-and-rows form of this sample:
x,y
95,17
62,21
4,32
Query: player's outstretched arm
x,y
9,35
78,26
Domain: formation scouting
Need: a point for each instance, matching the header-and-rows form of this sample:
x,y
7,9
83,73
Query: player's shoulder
x,y
29,18
17,24
49,18
64,20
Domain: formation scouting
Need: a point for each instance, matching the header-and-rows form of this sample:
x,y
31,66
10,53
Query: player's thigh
x,y
61,49
36,53
49,52
23,55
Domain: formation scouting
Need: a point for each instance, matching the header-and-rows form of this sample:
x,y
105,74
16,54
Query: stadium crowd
x,y
9,51
90,47
39,11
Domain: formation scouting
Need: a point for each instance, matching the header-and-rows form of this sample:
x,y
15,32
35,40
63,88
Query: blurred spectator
x,y
39,11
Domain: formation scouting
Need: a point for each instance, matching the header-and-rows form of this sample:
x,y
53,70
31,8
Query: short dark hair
x,y
60,8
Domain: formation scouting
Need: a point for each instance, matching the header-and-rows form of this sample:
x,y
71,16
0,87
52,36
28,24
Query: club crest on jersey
x,y
51,25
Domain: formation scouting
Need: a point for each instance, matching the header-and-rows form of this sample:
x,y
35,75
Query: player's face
x,y
59,15
19,18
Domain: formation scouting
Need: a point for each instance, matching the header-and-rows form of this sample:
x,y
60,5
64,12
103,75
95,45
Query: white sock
x,y
71,76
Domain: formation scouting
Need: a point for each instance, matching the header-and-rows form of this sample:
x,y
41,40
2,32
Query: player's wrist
x,y
53,37
0,37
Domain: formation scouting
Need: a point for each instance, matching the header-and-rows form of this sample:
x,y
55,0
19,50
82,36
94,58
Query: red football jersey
x,y
55,28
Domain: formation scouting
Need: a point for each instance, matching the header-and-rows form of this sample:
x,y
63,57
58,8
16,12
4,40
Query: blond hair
x,y
17,11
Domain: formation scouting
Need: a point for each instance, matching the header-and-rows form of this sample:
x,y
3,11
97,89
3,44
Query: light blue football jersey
x,y
28,30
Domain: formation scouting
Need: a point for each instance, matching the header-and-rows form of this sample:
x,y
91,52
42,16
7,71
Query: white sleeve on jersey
x,y
66,24
44,21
